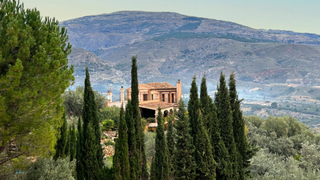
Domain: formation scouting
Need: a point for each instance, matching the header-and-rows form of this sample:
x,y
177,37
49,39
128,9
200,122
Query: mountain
x,y
172,46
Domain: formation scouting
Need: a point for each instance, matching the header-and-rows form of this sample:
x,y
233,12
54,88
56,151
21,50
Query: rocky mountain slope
x,y
172,46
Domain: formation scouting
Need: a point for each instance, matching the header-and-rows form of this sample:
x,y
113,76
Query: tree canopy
x,y
34,73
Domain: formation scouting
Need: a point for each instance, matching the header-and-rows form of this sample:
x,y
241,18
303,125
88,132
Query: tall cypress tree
x,y
220,153
116,162
62,141
193,108
90,117
79,155
153,169
206,165
161,154
67,148
238,127
90,161
204,100
143,173
184,162
122,162
133,154
72,143
225,121
170,145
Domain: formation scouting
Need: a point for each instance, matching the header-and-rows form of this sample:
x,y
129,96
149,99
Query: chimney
x,y
122,94
178,90
109,95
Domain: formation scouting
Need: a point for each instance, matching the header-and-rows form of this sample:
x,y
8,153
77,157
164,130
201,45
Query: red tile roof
x,y
161,85
154,105
142,86
155,85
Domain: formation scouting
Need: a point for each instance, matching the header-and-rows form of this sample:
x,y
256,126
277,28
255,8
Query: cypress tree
x,y
153,169
143,173
206,165
121,164
133,155
225,121
184,162
204,100
220,153
161,156
238,127
79,155
67,148
90,117
193,108
91,164
62,141
72,143
170,145
116,162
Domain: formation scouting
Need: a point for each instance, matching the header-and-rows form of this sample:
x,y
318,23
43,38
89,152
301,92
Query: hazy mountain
x,y
172,46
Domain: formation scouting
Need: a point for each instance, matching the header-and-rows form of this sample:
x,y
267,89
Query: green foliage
x,y
62,141
133,155
206,165
220,152
34,73
151,120
72,135
285,155
224,113
46,168
193,108
238,128
107,125
90,161
73,101
92,151
67,147
79,151
109,143
110,113
255,121
144,123
149,141
143,174
170,145
184,162
204,99
153,170
161,155
121,164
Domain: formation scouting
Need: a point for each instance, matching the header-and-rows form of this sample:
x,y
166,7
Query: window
x,y
172,99
168,98
152,97
163,97
145,97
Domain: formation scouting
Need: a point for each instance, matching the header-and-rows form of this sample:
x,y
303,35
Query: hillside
x,y
172,46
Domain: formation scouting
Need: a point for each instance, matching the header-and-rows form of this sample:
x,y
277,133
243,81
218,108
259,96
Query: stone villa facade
x,y
151,96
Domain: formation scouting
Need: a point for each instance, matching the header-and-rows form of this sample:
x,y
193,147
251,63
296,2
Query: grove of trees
x,y
47,132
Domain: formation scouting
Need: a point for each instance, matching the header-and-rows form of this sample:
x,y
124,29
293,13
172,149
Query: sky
x,y
294,15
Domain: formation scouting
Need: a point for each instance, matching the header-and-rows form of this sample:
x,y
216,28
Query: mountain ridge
x,y
174,46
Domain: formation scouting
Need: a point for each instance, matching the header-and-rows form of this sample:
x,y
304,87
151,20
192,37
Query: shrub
x,y
47,168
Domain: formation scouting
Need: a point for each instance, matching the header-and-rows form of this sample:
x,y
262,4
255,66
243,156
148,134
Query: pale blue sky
x,y
295,15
